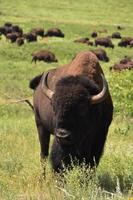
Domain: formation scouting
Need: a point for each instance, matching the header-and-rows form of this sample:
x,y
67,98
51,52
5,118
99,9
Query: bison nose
x,y
62,133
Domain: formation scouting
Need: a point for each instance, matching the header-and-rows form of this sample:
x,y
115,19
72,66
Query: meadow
x,y
20,168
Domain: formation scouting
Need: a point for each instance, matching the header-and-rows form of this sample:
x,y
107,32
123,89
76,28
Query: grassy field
x,y
20,170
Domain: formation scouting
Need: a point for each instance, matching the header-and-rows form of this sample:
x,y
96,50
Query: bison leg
x,y
44,138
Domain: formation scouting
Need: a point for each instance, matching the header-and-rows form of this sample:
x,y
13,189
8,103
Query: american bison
x,y
44,55
30,37
73,102
20,41
12,37
106,42
38,32
124,64
94,34
82,40
116,35
54,32
125,41
101,54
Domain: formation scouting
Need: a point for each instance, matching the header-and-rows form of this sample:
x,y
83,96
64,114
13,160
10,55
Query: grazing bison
x,y
106,42
54,32
12,37
116,35
125,63
82,40
73,102
20,41
125,41
30,37
44,55
101,54
38,31
94,34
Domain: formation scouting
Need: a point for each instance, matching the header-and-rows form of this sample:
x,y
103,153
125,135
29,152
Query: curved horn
x,y
102,95
49,93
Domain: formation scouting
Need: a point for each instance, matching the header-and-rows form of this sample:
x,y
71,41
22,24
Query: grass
x,y
20,170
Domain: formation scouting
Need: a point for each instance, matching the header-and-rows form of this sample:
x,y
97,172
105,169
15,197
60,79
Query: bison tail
x,y
35,82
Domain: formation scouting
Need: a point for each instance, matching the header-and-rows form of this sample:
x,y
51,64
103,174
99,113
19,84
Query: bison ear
x,y
35,82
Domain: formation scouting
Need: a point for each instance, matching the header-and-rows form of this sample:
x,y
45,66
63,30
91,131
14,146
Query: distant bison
x,y
125,41
44,55
101,54
106,42
73,102
30,37
82,40
125,63
54,32
20,41
116,35
94,34
12,37
38,31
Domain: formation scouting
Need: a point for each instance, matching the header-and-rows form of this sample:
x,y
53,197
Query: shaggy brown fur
x,y
44,55
69,111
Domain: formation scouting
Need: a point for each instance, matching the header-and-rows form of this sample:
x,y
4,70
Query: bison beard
x,y
80,126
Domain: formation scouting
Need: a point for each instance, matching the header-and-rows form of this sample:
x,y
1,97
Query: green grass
x,y
20,170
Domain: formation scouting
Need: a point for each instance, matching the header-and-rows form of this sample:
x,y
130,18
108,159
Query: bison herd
x,y
72,102
15,34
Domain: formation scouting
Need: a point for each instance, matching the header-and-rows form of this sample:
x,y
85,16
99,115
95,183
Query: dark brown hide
x,y
80,127
38,31
44,55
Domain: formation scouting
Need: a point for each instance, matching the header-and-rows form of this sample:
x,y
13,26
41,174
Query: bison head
x,y
72,104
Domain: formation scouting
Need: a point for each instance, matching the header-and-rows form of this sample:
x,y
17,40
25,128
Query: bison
x,y
73,102
116,35
106,42
82,40
101,54
20,41
125,63
38,32
12,37
44,55
125,41
30,37
54,32
94,34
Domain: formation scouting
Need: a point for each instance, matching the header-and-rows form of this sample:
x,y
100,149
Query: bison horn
x,y
49,93
102,95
